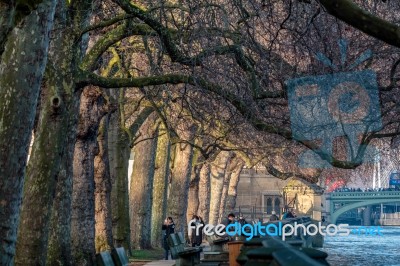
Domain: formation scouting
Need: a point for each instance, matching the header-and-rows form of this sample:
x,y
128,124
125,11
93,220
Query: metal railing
x,y
366,194
253,213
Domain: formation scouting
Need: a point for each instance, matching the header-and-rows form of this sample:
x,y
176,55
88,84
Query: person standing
x,y
290,214
273,217
196,236
168,228
230,219
242,220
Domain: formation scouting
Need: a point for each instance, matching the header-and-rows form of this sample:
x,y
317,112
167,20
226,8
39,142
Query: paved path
x,y
161,263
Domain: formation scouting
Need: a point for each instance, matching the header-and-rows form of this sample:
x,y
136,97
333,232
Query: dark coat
x,y
197,239
242,221
290,215
273,217
167,230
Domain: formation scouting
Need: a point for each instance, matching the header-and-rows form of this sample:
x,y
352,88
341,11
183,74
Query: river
x,y
364,250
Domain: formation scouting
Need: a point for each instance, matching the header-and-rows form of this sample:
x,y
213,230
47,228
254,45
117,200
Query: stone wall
x,y
257,188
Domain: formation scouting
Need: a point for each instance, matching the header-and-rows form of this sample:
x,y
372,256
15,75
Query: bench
x,y
182,240
285,254
217,254
184,256
104,259
217,243
294,257
117,257
274,251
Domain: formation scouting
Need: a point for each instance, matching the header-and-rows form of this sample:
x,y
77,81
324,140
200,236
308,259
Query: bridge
x,y
341,202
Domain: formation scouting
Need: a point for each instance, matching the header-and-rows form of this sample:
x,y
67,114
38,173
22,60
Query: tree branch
x,y
241,106
112,37
370,24
281,175
106,23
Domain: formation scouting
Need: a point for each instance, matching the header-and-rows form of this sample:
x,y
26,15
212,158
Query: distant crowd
x,y
366,189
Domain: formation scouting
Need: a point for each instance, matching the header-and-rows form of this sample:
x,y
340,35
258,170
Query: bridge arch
x,y
335,215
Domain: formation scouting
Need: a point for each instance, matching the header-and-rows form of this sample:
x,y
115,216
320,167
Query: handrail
x,y
366,194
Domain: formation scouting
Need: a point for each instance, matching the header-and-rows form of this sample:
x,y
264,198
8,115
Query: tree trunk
x,y
103,217
119,152
204,192
178,191
232,169
92,109
225,185
21,69
7,15
42,173
217,182
230,203
141,187
161,174
52,158
59,247
119,147
193,196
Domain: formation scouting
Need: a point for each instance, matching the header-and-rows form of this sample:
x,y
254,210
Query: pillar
x,y
367,216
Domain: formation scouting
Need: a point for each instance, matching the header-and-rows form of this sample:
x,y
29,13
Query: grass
x,y
147,254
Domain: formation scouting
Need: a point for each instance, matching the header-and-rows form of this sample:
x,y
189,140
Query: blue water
x,y
364,250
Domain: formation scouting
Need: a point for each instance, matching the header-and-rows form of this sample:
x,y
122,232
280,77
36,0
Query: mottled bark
x,y
354,15
231,178
193,195
141,187
230,203
180,176
160,182
21,69
103,216
59,247
7,12
218,168
92,109
225,185
55,149
204,192
119,151
42,173
59,244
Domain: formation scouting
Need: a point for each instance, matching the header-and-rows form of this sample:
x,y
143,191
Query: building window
x,y
277,206
269,205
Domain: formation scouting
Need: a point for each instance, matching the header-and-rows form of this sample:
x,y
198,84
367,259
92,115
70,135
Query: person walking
x,y
168,228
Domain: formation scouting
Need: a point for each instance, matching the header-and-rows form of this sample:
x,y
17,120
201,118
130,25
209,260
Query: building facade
x,y
259,194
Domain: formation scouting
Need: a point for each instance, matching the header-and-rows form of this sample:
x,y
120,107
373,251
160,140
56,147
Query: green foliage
x,y
147,254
